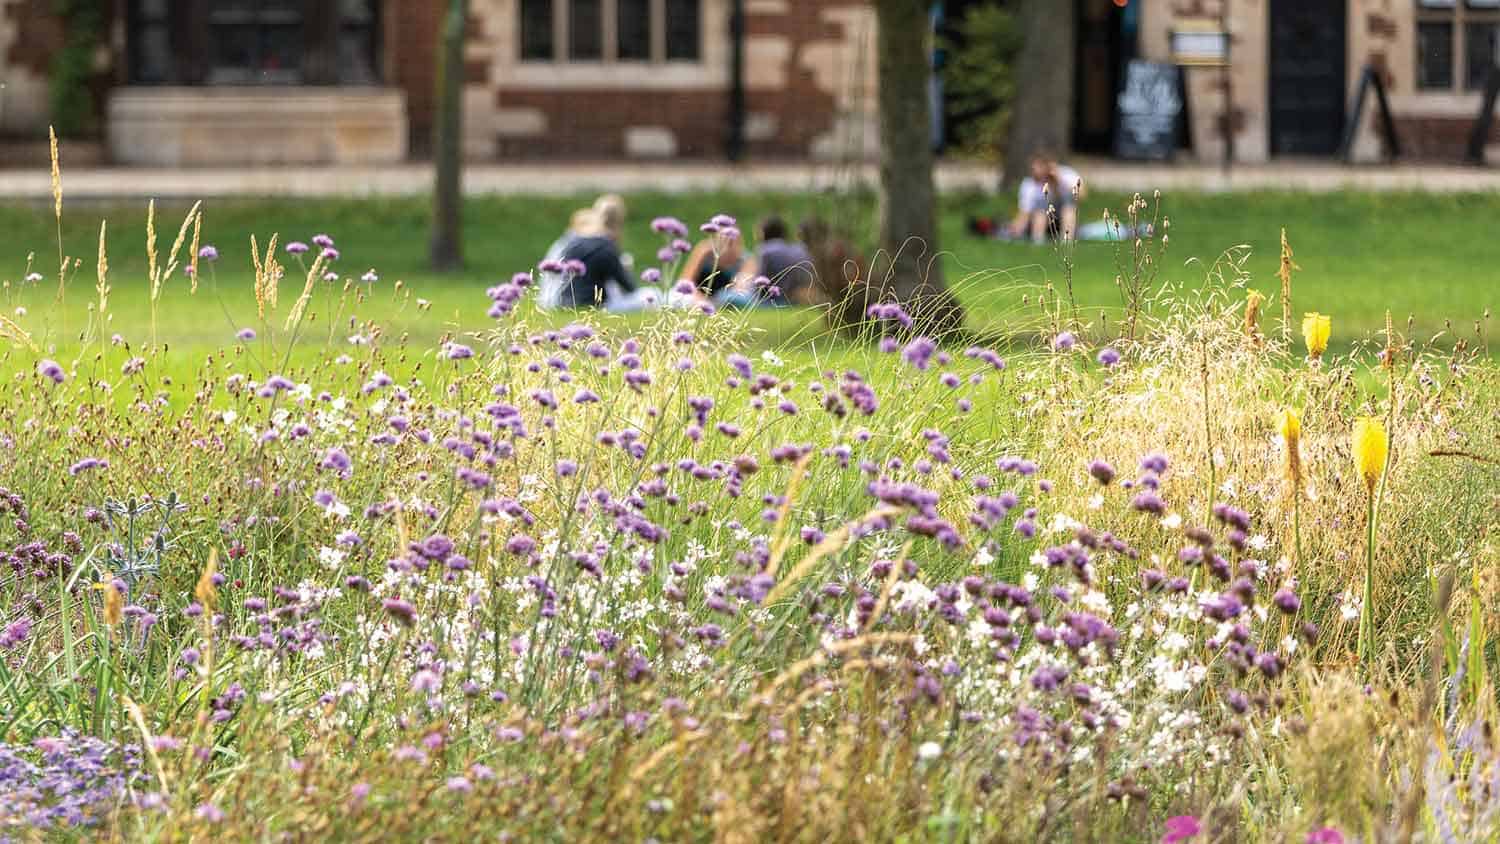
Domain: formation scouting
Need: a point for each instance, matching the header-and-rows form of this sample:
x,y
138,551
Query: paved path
x,y
567,179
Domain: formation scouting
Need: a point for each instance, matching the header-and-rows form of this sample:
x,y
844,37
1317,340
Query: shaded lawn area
x,y
1432,258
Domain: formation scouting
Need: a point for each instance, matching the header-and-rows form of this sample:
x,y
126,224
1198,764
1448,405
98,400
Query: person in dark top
x,y
787,266
593,272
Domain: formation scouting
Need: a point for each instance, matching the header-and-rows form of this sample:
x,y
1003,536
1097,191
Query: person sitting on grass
x,y
786,267
712,265
1047,206
590,266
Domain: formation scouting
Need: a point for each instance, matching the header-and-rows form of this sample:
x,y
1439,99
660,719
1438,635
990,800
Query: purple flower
x,y
209,812
919,352
651,275
245,334
208,253
1325,835
336,459
296,247
15,633
457,351
400,610
1102,472
86,464
1063,342
1108,356
669,226
49,368
1181,828
370,277
1287,601
330,254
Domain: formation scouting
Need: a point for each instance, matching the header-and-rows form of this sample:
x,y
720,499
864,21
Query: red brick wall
x,y
1439,138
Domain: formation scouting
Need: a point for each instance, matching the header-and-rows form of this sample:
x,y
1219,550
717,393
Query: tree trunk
x,y
908,268
447,195
1041,118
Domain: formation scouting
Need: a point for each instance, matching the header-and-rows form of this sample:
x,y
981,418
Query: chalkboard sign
x,y
1149,113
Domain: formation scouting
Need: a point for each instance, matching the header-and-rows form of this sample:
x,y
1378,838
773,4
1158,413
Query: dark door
x,y
1307,76
1103,48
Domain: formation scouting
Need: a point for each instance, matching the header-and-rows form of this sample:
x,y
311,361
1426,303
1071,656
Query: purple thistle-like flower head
x,y
1287,601
245,334
1108,356
296,247
208,253
670,226
370,277
51,370
400,610
86,464
1102,472
1325,835
322,241
919,352
15,633
457,351
1064,342
651,275
330,254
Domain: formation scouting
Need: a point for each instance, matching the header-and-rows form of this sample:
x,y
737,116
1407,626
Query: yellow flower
x,y
1315,330
1291,427
1291,434
1370,449
114,602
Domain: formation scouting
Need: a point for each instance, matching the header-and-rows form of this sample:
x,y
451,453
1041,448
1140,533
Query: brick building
x,y
192,82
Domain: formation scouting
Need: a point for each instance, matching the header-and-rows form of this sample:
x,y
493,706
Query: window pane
x,y
1434,55
1481,42
536,29
634,29
683,30
233,48
153,55
280,53
586,31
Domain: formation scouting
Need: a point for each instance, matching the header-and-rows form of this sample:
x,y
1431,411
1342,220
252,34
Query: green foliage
x,y
72,70
980,79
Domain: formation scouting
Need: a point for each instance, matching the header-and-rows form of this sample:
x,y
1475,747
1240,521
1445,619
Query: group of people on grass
x,y
586,268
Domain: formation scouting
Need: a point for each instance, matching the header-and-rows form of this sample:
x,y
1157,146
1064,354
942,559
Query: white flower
x,y
929,750
1173,521
228,417
330,558
769,358
20,312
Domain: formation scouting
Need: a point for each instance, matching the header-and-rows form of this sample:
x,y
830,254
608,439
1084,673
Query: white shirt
x,y
1034,196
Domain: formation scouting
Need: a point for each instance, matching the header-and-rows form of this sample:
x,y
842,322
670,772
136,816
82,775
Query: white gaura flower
x,y
929,750
1173,521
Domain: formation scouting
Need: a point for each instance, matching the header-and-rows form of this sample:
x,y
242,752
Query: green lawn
x,y
1427,257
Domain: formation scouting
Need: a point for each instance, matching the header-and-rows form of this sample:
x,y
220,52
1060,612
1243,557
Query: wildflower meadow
x,y
1184,573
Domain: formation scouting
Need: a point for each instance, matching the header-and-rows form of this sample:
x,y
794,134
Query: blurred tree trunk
x,y
1041,118
447,196
908,268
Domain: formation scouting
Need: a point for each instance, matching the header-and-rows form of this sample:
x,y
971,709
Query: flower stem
x,y
1366,617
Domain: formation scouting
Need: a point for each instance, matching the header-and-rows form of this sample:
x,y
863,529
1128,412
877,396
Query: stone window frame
x,y
1459,15
709,71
